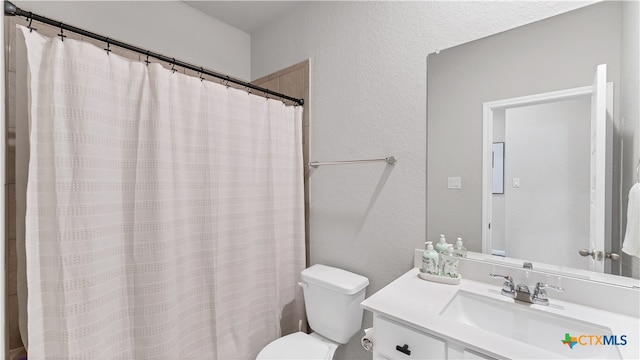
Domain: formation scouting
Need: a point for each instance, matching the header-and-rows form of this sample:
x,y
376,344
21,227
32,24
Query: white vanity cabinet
x,y
397,341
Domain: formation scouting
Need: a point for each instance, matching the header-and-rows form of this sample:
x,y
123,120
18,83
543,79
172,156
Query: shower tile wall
x,y
293,81
11,311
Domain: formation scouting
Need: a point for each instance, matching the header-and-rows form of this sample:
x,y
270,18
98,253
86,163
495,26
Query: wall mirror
x,y
562,95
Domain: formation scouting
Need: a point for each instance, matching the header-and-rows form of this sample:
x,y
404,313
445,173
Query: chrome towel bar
x,y
391,160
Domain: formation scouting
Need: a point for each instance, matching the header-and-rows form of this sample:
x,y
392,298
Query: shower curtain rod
x,y
12,10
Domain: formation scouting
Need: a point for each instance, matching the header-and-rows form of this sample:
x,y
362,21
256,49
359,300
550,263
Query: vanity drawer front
x,y
396,341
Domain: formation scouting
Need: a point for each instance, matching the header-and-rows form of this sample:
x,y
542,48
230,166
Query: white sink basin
x,y
522,322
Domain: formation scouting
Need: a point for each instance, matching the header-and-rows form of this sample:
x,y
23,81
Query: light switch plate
x,y
454,182
516,182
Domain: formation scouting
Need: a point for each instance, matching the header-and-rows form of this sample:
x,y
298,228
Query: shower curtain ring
x,y
201,74
62,35
173,65
31,28
226,82
108,49
147,61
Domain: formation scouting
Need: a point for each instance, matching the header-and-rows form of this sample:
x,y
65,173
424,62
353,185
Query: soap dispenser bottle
x,y
450,263
441,246
429,260
459,250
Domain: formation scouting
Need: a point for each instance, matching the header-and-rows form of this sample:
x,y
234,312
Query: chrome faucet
x,y
522,293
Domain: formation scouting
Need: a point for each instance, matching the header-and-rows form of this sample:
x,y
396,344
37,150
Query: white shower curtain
x,y
165,215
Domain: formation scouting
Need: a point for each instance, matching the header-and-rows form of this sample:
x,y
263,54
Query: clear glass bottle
x,y
450,264
429,260
459,250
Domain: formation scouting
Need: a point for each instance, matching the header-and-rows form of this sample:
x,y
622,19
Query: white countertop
x,y
417,303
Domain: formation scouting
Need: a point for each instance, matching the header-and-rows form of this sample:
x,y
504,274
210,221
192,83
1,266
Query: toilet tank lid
x,y
335,279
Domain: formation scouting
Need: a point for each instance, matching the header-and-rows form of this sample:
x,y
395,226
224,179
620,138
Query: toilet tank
x,y
332,299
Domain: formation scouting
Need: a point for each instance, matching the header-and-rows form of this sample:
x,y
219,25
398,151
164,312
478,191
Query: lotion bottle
x,y
441,246
429,260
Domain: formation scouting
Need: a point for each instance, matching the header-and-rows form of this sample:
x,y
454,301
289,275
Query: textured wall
x,y
368,88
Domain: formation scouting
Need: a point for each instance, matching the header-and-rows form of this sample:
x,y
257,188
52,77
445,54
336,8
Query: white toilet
x,y
332,300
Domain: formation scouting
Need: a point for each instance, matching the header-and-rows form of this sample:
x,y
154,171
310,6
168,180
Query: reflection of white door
x,y
596,237
600,218
546,218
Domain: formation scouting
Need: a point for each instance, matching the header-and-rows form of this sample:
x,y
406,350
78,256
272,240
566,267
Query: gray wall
x,y
557,53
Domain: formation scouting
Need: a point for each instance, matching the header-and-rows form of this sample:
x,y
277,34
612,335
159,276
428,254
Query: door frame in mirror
x,y
488,109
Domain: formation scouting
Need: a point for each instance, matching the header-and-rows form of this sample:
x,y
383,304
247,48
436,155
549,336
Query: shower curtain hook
x,y
226,82
173,65
62,35
201,74
108,49
147,61
31,28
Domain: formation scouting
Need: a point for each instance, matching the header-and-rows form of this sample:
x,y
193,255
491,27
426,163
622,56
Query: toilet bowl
x,y
332,302
299,346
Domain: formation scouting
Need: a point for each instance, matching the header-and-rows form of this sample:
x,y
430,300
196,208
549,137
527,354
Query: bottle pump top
x,y
459,242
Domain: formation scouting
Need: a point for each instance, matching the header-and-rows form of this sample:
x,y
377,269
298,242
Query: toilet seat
x,y
298,346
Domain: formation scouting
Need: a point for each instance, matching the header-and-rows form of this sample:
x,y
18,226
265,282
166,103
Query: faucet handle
x,y
506,277
508,288
540,294
542,285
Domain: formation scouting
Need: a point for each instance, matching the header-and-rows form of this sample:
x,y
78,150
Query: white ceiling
x,y
247,16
